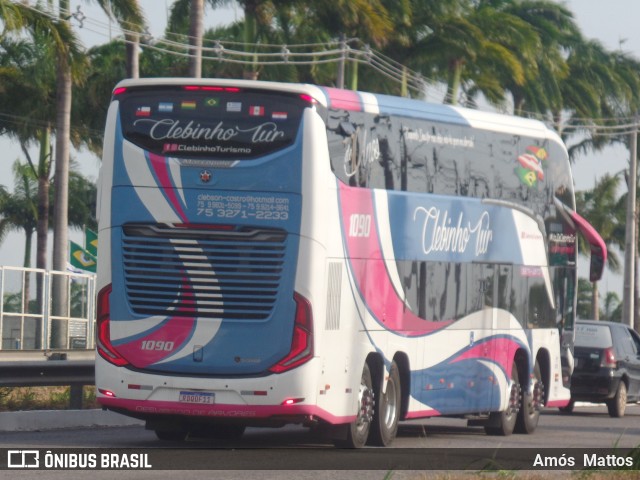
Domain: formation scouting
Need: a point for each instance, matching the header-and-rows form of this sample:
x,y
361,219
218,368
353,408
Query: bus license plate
x,y
197,397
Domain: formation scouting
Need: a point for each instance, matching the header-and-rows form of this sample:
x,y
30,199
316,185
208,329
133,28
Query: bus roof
x,y
377,104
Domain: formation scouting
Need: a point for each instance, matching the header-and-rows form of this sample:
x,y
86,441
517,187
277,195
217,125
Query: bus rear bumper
x,y
256,415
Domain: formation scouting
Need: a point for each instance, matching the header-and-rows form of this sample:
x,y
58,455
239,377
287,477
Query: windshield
x,y
209,122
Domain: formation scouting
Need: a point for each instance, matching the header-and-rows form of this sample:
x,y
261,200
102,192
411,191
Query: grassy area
x,y
43,398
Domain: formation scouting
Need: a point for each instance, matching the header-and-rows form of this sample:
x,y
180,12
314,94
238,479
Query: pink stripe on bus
x,y
344,99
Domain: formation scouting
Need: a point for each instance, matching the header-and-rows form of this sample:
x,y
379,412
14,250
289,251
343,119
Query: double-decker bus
x,y
277,253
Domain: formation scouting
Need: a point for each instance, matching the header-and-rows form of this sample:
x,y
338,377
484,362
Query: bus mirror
x,y
597,265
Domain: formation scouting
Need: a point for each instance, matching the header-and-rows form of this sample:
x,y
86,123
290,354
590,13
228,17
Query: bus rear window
x,y
212,123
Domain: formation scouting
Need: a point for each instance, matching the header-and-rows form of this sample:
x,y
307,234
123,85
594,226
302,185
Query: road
x,y
440,444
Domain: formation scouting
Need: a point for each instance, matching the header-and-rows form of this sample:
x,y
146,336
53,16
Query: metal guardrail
x,y
37,368
47,329
49,373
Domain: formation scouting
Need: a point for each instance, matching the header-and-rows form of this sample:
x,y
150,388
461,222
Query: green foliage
x,y
43,398
610,307
532,52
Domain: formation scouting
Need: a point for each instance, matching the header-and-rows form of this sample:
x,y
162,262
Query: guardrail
x,y
37,368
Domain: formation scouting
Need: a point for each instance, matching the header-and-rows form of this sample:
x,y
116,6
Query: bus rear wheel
x,y
531,405
358,430
387,410
503,423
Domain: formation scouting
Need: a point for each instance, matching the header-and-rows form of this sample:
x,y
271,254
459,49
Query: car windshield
x,y
590,335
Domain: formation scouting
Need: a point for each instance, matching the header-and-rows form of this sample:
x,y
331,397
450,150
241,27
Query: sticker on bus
x,y
197,397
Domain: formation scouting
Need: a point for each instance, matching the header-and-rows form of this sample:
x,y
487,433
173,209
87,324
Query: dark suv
x,y
607,365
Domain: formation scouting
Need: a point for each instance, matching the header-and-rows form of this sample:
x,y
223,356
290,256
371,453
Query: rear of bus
x,y
199,228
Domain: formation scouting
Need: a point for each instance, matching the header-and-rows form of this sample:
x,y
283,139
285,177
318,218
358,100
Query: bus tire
x,y
386,410
531,404
358,430
503,423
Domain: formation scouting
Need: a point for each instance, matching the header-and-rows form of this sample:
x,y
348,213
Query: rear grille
x,y
227,274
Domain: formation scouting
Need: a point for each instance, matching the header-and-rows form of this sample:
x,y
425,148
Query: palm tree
x,y
366,19
558,33
474,46
196,31
30,91
599,206
585,299
612,309
64,83
193,11
19,209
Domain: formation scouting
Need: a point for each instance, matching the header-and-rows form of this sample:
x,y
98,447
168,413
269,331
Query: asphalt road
x,y
428,446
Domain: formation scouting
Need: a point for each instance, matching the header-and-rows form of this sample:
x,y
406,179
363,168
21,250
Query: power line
x,y
332,51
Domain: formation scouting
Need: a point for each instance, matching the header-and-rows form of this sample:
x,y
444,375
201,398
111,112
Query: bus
x,y
276,253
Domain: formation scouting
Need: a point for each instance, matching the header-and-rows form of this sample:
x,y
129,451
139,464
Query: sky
x,y
612,22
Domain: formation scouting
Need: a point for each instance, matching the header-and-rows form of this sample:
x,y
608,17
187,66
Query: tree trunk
x,y
595,304
353,76
250,35
453,85
28,242
44,170
61,210
42,226
132,41
196,30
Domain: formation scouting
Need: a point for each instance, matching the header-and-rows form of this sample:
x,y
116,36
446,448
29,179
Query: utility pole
x,y
630,231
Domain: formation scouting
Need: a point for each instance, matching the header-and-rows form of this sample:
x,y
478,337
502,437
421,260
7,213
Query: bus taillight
x,y
209,88
302,343
308,98
105,349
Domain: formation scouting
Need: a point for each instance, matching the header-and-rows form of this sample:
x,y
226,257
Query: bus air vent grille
x,y
226,274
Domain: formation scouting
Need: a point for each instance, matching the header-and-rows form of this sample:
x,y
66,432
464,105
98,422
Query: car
x,y
607,366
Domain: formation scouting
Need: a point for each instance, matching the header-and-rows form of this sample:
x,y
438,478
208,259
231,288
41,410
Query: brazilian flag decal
x,y
91,242
81,259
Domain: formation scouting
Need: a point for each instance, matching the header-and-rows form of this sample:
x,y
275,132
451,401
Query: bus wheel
x,y
503,423
172,435
358,430
386,410
531,405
